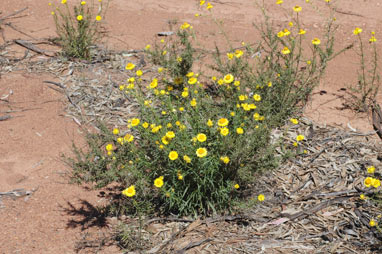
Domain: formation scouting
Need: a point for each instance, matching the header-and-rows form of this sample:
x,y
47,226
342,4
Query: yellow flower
x,y
154,83
201,152
145,125
201,2
83,3
285,51
184,26
376,183
223,122
129,192
232,113
135,122
269,84
302,31
280,34
209,6
170,134
257,97
239,130
368,181
187,159
181,109
158,182
109,147
180,176
184,94
115,131
286,32
228,78
243,97
371,170
362,197
192,81
190,74
128,138
297,8
261,197
193,102
139,73
79,17
357,30
230,56
295,144
236,83
372,39
220,82
148,46
63,1
165,140
224,159
256,116
201,137
210,123
316,41
294,120
236,186
52,13
173,155
238,53
98,18
224,131
300,138
130,66
279,1
290,24
372,223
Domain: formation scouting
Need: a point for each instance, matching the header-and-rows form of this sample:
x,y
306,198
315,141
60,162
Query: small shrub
x,y
78,29
197,143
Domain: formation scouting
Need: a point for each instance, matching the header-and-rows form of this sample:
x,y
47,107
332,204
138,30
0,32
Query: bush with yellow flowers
x,y
79,28
195,143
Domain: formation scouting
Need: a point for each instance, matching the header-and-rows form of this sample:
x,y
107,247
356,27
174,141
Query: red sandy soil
x,y
31,142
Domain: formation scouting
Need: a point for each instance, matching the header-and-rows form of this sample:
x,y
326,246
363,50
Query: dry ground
x,y
50,219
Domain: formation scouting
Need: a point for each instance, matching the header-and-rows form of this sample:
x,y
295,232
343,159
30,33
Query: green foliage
x,y
78,29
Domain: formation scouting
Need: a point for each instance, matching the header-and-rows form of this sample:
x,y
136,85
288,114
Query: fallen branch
x,y
30,46
6,117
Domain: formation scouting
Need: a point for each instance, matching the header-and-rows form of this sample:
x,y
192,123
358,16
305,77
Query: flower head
x,y
187,159
239,130
224,131
368,181
201,152
236,186
261,197
201,137
357,30
294,120
79,17
372,223
285,51
192,80
316,41
297,8
135,121
173,155
223,122
130,66
371,170
224,159
158,182
228,78
98,18
129,192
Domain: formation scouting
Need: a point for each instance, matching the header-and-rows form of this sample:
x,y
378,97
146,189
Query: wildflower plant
x,y
191,151
365,91
79,28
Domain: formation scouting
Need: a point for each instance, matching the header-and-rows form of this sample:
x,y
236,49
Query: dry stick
x,y
13,14
32,47
6,117
193,244
16,29
316,208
